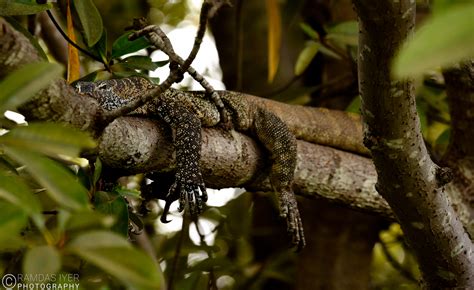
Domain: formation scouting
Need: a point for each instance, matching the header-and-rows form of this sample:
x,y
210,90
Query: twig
x,y
147,96
206,6
159,39
58,27
162,42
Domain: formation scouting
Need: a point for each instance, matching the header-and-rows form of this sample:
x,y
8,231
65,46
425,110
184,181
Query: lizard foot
x,y
190,196
289,211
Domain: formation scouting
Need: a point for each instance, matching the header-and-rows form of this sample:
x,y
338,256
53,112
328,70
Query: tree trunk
x,y
408,179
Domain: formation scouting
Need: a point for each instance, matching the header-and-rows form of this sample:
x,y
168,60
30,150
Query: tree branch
x,y
15,49
407,177
232,159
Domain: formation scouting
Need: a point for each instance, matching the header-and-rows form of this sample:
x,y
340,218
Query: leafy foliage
x,y
18,87
45,212
446,38
21,7
90,19
340,38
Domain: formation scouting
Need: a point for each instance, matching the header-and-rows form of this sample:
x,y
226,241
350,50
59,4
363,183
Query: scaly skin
x,y
185,114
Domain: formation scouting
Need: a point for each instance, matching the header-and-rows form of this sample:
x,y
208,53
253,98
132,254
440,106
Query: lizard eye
x,y
102,86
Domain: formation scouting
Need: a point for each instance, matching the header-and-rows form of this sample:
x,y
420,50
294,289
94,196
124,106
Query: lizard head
x,y
113,94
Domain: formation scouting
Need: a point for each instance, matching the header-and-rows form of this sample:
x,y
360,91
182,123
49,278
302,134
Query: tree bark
x,y
407,177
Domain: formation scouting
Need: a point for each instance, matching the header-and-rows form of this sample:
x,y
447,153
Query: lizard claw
x,y
190,195
193,197
165,212
289,210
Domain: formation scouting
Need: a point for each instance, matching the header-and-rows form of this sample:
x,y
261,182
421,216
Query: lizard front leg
x,y
188,187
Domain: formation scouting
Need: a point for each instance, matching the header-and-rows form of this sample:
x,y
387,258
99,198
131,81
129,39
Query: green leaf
x,y
439,6
23,83
354,106
141,62
48,138
125,192
42,260
6,166
87,78
88,220
98,240
154,80
127,74
101,47
443,138
97,170
15,191
130,266
12,221
346,33
309,31
445,39
90,19
22,7
124,46
329,52
113,204
61,185
116,256
306,56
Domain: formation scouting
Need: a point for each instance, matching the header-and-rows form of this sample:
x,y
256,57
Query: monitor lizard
x,y
186,114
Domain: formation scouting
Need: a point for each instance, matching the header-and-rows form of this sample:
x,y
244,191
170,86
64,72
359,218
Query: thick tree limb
x,y
407,177
231,159
58,102
15,49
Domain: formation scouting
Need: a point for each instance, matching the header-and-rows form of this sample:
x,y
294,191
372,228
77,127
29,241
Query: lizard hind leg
x,y
281,144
